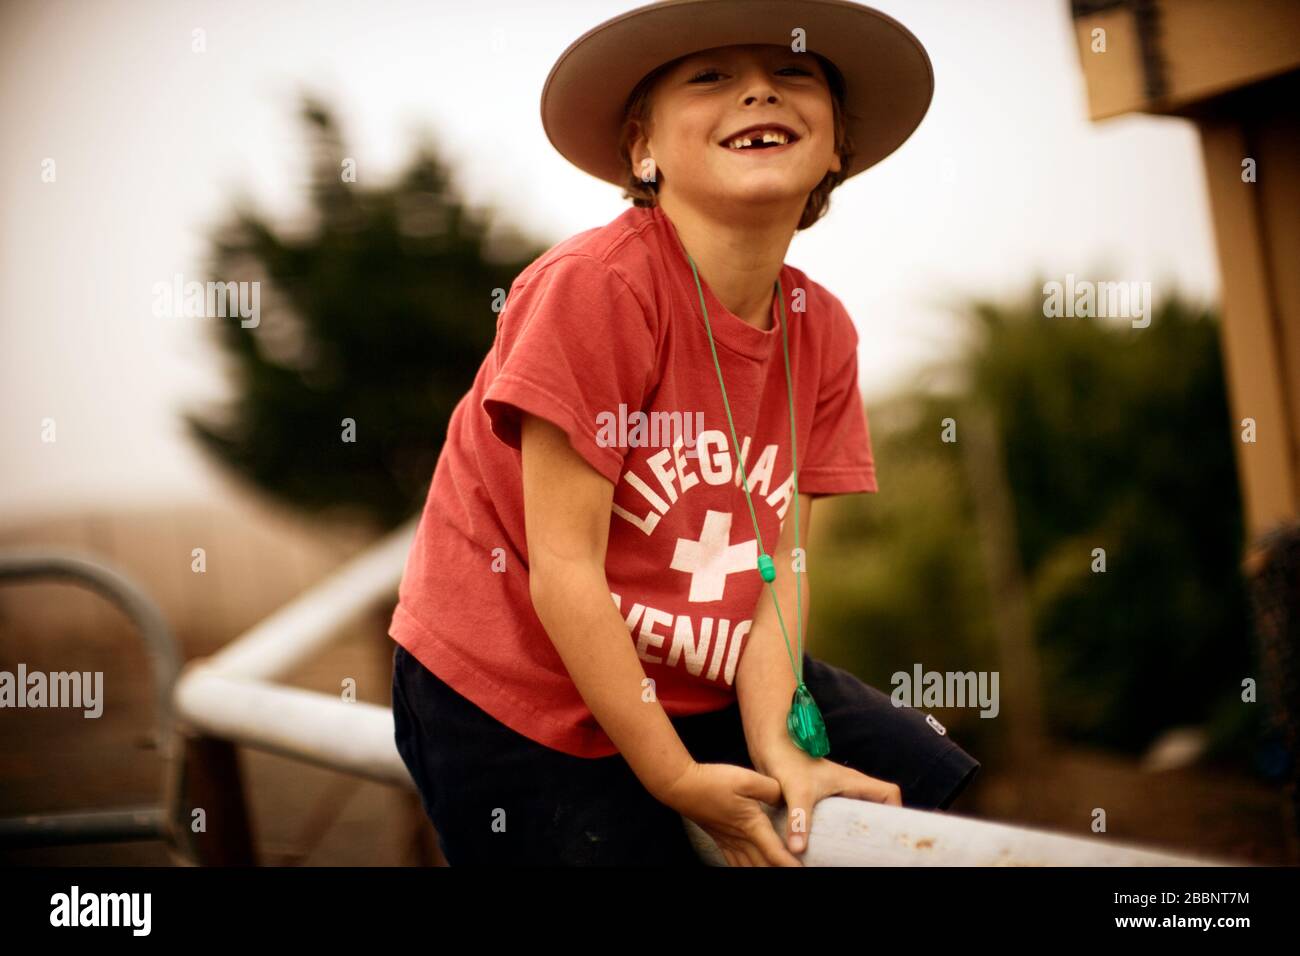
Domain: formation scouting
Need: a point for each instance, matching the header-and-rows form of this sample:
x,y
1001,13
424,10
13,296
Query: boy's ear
x,y
637,141
643,164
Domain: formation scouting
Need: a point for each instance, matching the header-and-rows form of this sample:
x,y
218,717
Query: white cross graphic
x,y
710,559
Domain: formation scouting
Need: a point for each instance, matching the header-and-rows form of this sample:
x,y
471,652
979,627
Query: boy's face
x,y
708,97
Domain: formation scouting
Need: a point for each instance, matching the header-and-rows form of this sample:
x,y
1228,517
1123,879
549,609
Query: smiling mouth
x,y
760,139
760,147
759,151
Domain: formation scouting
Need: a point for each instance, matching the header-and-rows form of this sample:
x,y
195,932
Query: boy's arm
x,y
566,518
765,679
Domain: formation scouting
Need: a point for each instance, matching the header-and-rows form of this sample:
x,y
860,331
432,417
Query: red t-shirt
x,y
603,326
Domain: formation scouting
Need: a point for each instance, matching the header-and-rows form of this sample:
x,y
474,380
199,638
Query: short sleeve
x,y
839,459
573,342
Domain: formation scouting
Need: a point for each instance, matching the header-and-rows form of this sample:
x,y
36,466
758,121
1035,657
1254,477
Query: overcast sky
x,y
1005,178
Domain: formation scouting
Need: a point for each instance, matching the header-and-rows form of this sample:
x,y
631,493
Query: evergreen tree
x,y
377,313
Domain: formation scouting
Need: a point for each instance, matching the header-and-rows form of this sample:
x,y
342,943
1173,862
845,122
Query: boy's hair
x,y
636,112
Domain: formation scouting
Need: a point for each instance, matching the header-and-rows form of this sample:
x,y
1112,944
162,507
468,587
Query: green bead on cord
x,y
804,721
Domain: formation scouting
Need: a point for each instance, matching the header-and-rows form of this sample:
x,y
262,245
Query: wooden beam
x,y
1258,237
1183,51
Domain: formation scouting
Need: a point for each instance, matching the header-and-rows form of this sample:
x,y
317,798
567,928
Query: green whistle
x,y
805,724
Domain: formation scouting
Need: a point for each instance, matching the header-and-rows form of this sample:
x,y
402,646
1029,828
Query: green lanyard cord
x,y
804,721
765,565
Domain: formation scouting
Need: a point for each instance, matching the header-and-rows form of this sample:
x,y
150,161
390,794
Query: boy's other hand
x,y
724,801
805,780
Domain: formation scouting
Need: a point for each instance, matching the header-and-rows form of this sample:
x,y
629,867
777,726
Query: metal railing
x,y
234,699
125,823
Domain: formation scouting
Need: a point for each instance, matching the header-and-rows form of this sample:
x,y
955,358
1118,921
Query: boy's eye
x,y
699,77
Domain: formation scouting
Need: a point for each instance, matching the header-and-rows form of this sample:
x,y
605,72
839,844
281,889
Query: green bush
x,y
1111,437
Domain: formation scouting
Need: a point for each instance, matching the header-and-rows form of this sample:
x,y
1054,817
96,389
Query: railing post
x,y
211,781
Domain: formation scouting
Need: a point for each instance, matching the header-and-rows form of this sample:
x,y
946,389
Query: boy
x,y
554,530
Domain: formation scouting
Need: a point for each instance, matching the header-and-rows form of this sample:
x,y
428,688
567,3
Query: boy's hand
x,y
724,801
805,780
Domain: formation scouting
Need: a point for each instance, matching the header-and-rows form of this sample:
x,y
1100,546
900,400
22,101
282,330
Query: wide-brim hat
x,y
887,75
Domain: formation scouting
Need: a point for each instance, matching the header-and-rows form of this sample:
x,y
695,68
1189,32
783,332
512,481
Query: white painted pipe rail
x,y
847,832
275,646
233,696
317,728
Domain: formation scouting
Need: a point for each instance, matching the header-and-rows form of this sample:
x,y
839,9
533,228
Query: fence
x,y
234,699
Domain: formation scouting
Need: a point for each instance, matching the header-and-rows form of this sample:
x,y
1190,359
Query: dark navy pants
x,y
497,797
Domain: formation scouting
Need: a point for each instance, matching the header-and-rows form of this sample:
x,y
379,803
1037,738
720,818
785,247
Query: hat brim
x,y
888,78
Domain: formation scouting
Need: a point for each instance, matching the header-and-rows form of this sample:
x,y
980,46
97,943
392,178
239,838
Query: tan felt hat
x,y
887,75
